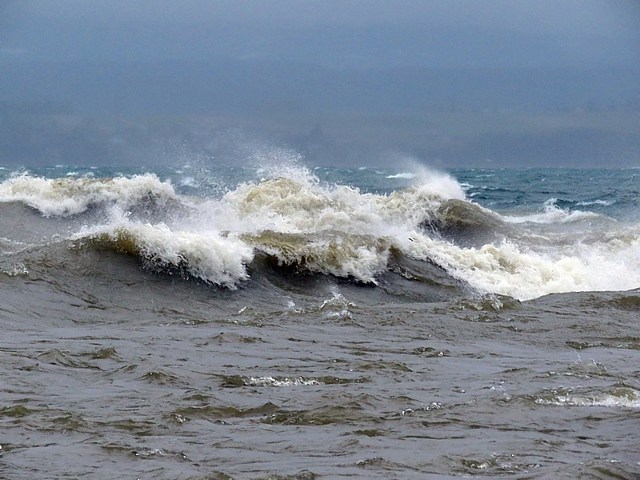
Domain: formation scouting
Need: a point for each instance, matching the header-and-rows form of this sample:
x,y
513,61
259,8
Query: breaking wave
x,y
72,196
551,213
315,227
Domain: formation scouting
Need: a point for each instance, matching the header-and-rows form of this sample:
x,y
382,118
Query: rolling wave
x,y
318,228
71,196
552,214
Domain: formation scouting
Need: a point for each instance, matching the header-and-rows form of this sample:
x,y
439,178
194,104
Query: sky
x,y
437,33
301,64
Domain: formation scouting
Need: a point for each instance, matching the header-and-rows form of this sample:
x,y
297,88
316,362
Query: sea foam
x,y
206,255
551,214
71,196
332,229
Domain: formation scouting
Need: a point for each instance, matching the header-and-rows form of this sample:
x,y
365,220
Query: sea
x,y
286,321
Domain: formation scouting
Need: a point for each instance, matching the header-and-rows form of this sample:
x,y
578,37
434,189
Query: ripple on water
x,y
160,377
15,411
221,412
104,353
64,359
350,414
378,462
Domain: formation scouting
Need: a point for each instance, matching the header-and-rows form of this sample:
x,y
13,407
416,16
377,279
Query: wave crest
x,y
71,196
315,227
360,257
210,256
552,214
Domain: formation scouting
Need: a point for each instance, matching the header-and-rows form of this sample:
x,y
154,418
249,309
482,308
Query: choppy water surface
x,y
300,327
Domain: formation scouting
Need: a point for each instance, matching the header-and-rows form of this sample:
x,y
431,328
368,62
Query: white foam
x,y
439,184
337,305
519,272
71,196
339,230
15,270
207,255
625,398
342,255
9,246
188,182
282,382
403,175
604,203
335,230
552,214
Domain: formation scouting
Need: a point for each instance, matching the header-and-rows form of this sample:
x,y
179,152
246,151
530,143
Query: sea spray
x,y
318,227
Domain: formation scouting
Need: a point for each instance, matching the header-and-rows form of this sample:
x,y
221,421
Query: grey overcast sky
x,y
335,33
326,77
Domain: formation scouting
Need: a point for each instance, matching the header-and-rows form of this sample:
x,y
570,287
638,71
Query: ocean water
x,y
291,322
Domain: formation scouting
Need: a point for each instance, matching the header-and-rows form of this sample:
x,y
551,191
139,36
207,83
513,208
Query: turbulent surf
x,y
385,309
309,226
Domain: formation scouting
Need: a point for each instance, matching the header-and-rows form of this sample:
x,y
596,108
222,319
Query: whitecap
x,y
403,175
282,381
604,203
188,182
552,214
206,255
622,398
71,196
